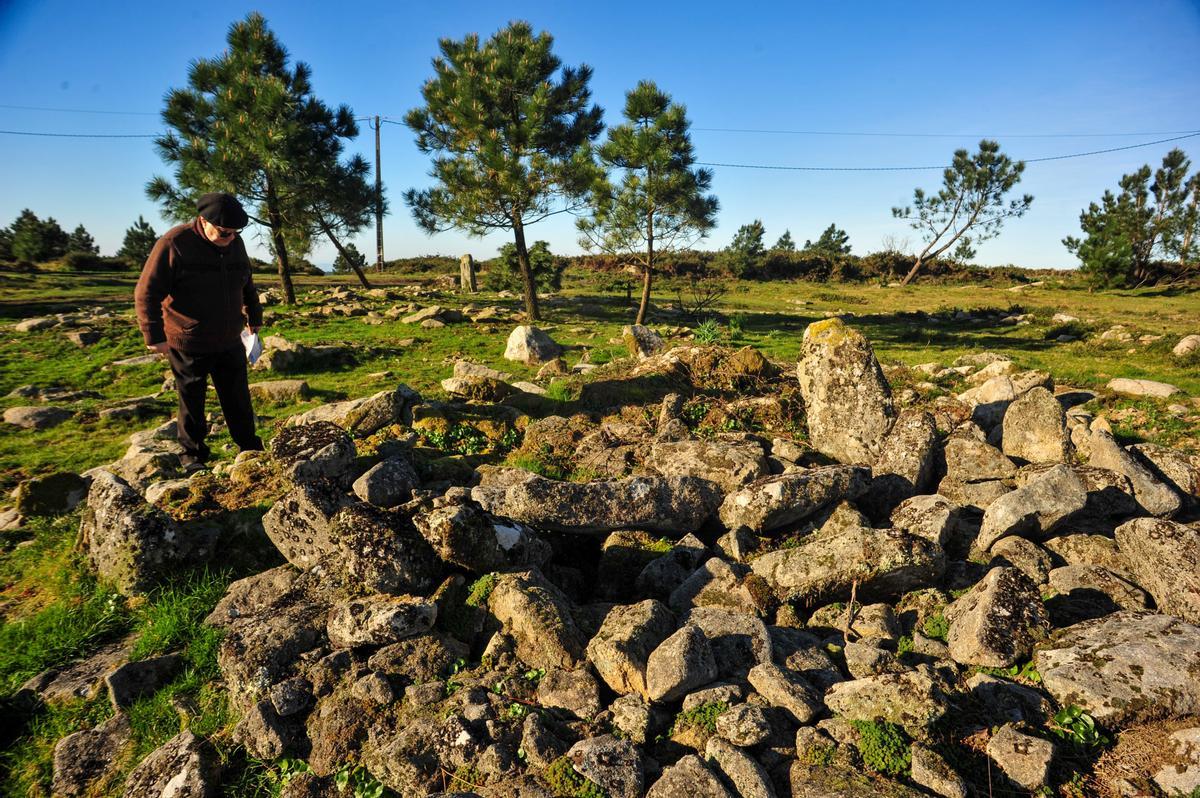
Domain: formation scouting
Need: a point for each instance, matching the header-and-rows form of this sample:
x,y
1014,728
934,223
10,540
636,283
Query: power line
x,y
82,135
77,110
774,167
942,166
940,135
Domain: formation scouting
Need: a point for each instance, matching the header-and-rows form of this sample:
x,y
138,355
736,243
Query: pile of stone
x,y
500,634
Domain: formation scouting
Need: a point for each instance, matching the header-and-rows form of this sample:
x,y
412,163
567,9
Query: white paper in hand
x,y
253,346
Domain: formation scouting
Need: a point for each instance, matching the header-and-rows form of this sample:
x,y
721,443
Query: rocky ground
x,y
722,576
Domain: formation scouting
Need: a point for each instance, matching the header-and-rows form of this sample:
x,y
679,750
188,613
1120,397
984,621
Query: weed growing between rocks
x,y
564,782
703,717
28,764
884,747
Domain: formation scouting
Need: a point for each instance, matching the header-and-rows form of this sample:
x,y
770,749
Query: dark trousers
x,y
228,372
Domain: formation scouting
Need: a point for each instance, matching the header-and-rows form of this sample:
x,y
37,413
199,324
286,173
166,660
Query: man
x,y
193,298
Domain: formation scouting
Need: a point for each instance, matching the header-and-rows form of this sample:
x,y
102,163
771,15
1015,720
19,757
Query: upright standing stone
x,y
846,397
466,274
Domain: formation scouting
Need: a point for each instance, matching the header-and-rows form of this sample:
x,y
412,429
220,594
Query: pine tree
x,y
139,240
510,141
250,125
81,240
659,205
785,242
1126,232
504,273
745,252
833,241
37,240
971,199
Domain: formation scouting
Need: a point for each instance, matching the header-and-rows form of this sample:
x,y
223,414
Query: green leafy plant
x,y
1023,671
1073,724
707,332
883,746
359,783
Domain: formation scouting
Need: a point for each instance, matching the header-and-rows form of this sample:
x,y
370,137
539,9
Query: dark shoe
x,y
191,463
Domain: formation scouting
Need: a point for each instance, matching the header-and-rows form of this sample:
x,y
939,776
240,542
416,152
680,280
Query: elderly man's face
x,y
221,236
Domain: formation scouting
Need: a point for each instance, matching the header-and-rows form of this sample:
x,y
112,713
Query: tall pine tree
x,y
139,240
510,137
250,125
81,240
659,204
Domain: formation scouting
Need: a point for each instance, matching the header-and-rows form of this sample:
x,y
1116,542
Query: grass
x,y
56,612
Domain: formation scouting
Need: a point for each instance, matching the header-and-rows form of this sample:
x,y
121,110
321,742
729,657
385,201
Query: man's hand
x,y
161,347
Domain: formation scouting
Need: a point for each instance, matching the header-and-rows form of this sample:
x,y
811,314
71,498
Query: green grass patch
x,y
28,765
55,610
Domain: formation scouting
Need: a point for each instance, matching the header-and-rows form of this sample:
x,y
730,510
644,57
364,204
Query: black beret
x,y
223,210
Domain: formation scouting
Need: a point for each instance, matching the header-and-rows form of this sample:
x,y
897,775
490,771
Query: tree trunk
x,y
281,256
531,304
912,273
649,270
362,278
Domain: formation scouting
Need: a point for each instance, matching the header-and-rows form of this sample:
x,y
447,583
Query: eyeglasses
x,y
225,232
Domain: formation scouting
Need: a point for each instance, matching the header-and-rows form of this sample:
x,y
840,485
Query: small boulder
x,y
379,620
615,765
1035,429
537,615
660,504
133,544
1158,390
308,452
776,501
1164,558
1035,510
847,400
1024,758
620,650
388,483
681,663
87,757
183,767
1124,667
688,778
529,345
997,622
1151,493
36,418
913,699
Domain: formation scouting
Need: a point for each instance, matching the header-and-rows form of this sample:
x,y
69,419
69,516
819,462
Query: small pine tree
x,y
36,240
504,273
139,240
785,242
6,240
81,240
833,241
744,254
349,259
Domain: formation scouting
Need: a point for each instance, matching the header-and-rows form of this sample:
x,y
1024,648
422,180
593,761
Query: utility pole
x,y
378,205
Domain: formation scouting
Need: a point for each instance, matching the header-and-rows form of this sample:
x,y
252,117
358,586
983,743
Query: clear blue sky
x,y
1003,69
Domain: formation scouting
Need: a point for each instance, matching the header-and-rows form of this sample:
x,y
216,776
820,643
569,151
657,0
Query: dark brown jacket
x,y
195,295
